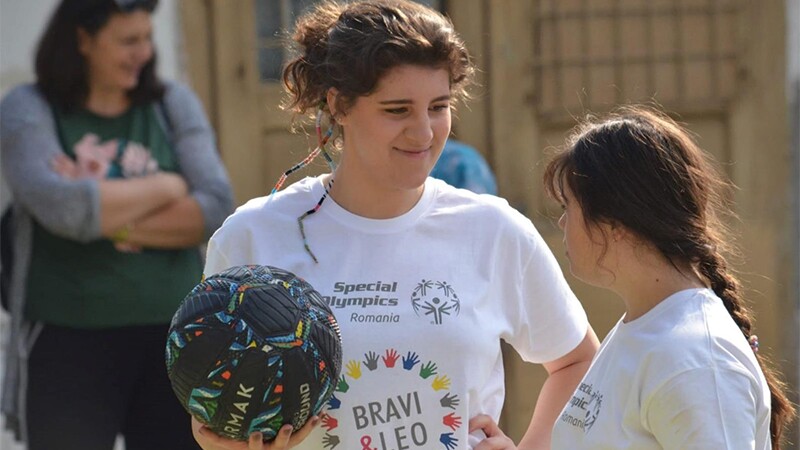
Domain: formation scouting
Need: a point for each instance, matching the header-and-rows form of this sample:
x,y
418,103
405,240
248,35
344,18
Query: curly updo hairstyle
x,y
350,46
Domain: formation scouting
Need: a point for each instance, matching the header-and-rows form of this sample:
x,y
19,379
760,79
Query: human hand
x,y
94,157
127,247
283,441
63,165
495,438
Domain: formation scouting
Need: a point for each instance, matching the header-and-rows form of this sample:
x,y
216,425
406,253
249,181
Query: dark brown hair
x,y
61,70
640,169
350,46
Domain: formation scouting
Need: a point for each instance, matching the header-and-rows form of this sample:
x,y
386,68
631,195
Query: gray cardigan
x,y
71,208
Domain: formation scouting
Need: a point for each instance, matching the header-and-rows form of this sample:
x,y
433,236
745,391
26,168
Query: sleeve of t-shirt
x,y
547,319
703,408
200,162
216,261
28,145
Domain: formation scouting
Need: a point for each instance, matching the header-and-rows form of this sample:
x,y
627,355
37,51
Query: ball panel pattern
x,y
251,349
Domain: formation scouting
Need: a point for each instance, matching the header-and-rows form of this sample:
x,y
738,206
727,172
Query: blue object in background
x,y
461,165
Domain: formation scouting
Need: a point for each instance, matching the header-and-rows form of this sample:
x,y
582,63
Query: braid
x,y
642,170
713,267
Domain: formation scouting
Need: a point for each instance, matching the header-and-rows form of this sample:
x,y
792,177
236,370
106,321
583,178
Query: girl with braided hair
x,y
425,279
681,369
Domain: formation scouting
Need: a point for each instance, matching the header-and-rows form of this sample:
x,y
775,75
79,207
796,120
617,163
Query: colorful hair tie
x,y
322,141
753,340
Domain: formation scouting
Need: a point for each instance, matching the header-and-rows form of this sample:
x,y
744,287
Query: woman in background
x,y
116,181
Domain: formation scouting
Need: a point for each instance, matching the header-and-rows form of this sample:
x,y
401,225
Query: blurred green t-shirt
x,y
93,285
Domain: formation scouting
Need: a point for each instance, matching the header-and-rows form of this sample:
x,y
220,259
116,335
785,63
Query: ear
x,y
611,230
330,99
619,232
84,41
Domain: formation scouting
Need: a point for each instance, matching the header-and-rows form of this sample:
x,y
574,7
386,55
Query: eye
x,y
396,111
440,108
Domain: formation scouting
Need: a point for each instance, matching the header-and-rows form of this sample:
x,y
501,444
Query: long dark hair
x,y
640,169
61,70
350,46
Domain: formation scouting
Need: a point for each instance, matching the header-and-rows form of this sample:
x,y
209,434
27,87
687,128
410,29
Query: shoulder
x,y
176,90
483,213
694,331
181,101
468,202
24,100
270,212
23,92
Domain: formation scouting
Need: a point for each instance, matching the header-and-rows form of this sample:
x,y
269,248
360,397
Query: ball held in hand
x,y
251,349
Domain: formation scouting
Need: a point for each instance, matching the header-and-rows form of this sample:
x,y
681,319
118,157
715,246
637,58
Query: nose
x,y
420,129
562,221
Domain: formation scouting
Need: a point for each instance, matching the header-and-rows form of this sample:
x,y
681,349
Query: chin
x,y
408,183
128,82
416,184
131,85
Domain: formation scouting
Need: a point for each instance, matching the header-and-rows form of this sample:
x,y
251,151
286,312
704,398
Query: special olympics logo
x,y
436,299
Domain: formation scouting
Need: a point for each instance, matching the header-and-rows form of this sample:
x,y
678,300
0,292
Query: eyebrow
x,y
408,102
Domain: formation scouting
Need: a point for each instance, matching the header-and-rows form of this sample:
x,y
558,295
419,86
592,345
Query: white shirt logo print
x,y
436,299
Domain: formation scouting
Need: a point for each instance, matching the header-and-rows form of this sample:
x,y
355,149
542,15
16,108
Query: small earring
x,y
753,341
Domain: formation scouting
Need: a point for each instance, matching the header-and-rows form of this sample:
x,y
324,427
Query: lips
x,y
414,153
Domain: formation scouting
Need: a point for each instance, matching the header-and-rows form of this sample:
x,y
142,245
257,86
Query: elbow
x,y
61,214
69,227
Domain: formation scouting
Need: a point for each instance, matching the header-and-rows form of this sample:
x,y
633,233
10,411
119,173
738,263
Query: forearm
x,y
555,393
564,375
180,224
123,202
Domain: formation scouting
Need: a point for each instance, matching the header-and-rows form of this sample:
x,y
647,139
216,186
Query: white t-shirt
x,y
682,376
422,301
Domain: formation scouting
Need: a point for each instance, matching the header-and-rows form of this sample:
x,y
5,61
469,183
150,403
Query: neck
x,y
107,101
370,202
645,280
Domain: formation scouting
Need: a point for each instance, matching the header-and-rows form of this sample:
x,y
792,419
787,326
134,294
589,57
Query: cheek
x,y
113,57
438,121
146,52
441,126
